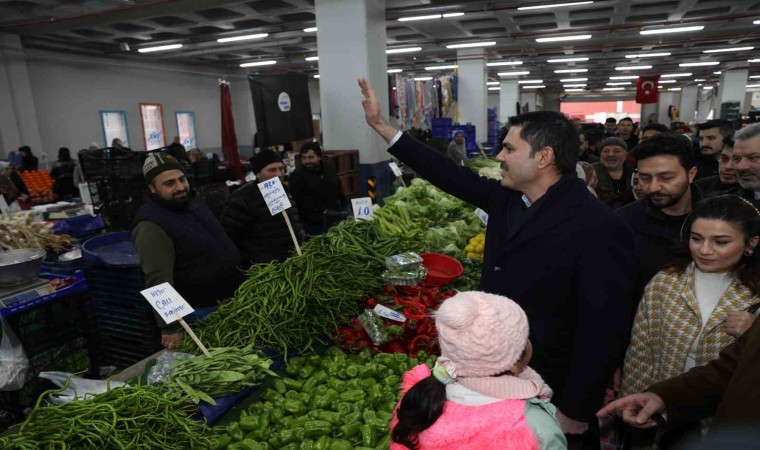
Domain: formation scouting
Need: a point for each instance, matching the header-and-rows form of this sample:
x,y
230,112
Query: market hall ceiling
x,y
102,27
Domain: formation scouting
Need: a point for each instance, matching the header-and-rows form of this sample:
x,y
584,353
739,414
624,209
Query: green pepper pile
x,y
331,402
226,371
145,417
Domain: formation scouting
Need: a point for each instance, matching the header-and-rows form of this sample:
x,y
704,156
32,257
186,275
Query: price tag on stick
x,y
397,171
362,208
277,201
172,307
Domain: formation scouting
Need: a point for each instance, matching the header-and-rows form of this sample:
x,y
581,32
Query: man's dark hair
x,y
610,120
666,144
311,146
626,118
550,129
594,136
725,128
660,128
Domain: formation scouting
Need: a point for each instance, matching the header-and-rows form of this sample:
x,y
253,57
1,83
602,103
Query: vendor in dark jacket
x,y
180,242
666,168
260,236
316,190
552,247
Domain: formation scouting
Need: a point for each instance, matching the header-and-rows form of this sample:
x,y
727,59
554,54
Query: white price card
x,y
388,313
395,169
167,302
274,195
482,215
362,208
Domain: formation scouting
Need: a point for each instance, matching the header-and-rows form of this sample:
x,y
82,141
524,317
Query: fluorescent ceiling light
x,y
672,30
574,90
159,48
493,83
395,70
316,76
707,88
674,89
494,88
625,77
259,63
574,85
668,81
455,14
753,60
557,5
753,86
312,58
699,64
571,80
647,55
243,38
717,73
702,79
530,81
423,78
403,50
621,83
571,71
577,37
756,22
633,67
674,75
450,66
511,74
614,89
564,60
731,49
427,17
753,76
504,63
472,44
534,86
310,30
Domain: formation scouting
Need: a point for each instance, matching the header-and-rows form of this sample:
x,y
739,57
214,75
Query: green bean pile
x,y
288,305
226,371
131,418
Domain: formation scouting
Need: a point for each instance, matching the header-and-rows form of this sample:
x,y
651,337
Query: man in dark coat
x,y
552,247
666,169
260,236
180,242
725,389
713,136
316,189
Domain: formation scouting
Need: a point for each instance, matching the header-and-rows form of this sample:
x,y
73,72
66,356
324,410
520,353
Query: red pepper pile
x,y
419,333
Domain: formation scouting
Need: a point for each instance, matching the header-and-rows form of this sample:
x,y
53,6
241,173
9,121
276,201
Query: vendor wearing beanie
x,y
180,242
611,171
260,236
481,394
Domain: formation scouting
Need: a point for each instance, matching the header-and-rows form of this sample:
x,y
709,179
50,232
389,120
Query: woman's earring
x,y
749,252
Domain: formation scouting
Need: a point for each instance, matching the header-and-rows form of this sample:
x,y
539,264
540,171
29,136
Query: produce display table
x,y
54,329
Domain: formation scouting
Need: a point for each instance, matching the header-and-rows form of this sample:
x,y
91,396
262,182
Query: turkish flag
x,y
646,89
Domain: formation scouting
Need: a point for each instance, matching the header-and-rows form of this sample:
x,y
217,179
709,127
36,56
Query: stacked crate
x,y
346,165
125,322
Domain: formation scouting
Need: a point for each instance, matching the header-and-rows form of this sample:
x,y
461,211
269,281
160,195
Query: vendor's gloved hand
x,y
171,341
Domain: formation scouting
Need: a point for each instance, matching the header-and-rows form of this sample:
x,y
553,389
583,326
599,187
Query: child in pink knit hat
x,y
481,394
